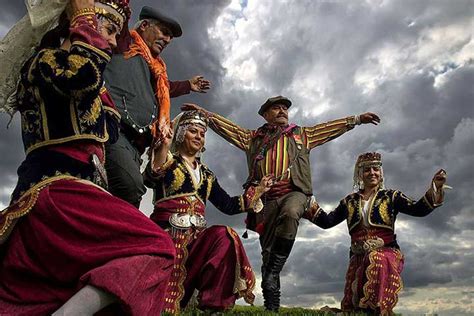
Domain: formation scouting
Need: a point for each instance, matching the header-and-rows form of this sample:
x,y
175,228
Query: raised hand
x,y
369,117
439,178
199,84
193,107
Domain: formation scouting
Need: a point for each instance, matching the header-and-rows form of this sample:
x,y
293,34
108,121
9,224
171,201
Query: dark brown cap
x,y
151,13
274,100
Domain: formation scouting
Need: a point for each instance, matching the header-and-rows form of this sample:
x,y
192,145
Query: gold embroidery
x,y
91,116
76,62
178,180
99,52
383,210
350,210
210,181
49,58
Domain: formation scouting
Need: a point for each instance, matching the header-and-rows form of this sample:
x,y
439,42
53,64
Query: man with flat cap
x,y
138,82
282,150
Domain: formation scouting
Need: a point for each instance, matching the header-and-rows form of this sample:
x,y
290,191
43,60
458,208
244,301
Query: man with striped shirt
x,y
280,149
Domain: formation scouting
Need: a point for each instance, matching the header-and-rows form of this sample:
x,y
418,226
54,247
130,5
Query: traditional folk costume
x,y
283,152
373,278
140,88
63,230
209,259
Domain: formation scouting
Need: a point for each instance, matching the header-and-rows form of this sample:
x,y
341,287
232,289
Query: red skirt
x,y
212,261
75,235
373,281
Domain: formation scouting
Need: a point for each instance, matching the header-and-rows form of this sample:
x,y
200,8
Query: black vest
x,y
131,86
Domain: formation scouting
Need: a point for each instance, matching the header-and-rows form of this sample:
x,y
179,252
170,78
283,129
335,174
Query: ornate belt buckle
x,y
180,221
372,244
198,221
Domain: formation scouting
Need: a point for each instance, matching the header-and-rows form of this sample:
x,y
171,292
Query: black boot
x,y
271,273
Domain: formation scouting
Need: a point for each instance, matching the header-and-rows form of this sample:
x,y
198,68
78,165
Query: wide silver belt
x,y
366,246
185,221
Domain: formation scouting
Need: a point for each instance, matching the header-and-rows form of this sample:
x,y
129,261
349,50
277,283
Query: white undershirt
x,y
195,172
365,211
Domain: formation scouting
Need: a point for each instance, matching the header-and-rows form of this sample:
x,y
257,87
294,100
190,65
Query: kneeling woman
x,y
373,277
209,259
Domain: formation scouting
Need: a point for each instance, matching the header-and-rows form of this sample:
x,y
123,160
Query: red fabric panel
x,y
78,234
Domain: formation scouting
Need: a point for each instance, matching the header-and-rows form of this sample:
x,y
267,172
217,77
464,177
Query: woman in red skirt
x,y
66,245
209,259
373,277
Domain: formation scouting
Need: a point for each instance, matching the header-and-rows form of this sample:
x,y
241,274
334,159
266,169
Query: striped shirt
x,y
277,160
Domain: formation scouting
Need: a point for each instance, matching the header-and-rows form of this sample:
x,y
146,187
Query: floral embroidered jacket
x,y
61,93
382,211
174,180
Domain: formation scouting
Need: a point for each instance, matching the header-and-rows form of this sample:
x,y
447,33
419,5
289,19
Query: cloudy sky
x,y
411,62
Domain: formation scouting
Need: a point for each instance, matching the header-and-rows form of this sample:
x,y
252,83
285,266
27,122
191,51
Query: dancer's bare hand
x,y
369,117
439,178
193,107
266,182
199,84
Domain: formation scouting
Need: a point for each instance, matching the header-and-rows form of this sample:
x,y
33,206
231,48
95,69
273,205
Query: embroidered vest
x,y
300,172
381,211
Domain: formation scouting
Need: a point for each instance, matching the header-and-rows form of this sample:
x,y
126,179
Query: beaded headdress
x,y
182,122
369,159
118,11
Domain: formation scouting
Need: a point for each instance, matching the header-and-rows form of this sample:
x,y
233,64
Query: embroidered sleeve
x,y
230,131
315,214
420,208
152,176
324,132
77,71
251,199
223,201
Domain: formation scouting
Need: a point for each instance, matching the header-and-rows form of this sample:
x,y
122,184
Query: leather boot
x,y
271,273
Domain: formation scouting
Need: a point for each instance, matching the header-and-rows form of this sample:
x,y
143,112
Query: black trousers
x,y
122,163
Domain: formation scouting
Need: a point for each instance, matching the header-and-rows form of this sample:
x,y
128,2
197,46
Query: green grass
x,y
254,310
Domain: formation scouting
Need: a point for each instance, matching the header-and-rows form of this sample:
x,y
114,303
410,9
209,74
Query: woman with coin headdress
x,y
67,246
373,278
209,259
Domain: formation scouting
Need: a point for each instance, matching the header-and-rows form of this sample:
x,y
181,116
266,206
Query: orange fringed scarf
x,y
158,69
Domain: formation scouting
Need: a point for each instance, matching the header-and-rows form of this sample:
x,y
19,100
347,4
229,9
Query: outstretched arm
x,y
228,130
433,198
196,84
249,200
315,214
324,132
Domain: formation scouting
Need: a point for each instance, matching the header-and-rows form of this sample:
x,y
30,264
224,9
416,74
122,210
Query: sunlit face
x,y
194,139
277,114
371,176
109,31
155,36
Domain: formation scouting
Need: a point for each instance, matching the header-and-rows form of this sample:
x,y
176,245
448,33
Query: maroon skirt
x,y
75,235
